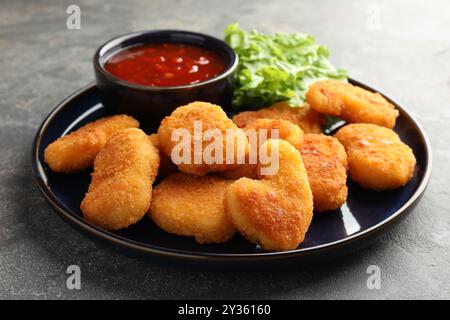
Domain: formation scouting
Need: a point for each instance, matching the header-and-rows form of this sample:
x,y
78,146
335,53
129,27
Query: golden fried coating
x,y
192,206
154,139
77,150
210,119
166,166
121,188
277,210
351,103
286,131
326,165
307,119
377,158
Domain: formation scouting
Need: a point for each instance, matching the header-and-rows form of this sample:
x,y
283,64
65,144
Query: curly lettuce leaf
x,y
277,67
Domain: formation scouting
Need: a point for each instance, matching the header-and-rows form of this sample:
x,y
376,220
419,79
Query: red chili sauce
x,y
165,65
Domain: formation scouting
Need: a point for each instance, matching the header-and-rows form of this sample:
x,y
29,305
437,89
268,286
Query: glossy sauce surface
x,y
165,65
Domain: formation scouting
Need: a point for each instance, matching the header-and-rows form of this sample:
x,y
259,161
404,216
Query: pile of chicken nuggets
x,y
212,201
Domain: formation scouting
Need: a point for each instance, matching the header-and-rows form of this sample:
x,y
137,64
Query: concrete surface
x,y
401,47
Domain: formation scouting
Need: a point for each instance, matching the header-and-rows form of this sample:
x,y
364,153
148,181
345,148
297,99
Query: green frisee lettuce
x,y
277,67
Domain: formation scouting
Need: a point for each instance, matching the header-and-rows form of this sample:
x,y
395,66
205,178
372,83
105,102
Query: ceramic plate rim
x,y
146,249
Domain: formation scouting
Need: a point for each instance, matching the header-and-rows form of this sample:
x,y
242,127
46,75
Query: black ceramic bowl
x,y
151,104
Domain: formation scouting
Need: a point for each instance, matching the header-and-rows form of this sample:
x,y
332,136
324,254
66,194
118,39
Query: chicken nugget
x,y
277,210
286,131
308,120
326,165
377,158
351,103
121,188
77,150
214,143
192,206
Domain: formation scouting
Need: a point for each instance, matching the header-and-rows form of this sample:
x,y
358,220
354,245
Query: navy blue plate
x,y
366,215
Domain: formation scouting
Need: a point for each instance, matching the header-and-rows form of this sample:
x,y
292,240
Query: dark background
x,y
400,47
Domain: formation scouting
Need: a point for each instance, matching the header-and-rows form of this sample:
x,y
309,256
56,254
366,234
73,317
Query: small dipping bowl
x,y
150,104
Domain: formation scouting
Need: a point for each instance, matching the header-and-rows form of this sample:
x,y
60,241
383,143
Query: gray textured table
x,y
401,47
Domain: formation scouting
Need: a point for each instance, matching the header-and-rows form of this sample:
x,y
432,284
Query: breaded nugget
x,y
377,158
77,150
307,119
286,131
166,166
192,206
351,103
121,188
326,165
208,118
277,210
